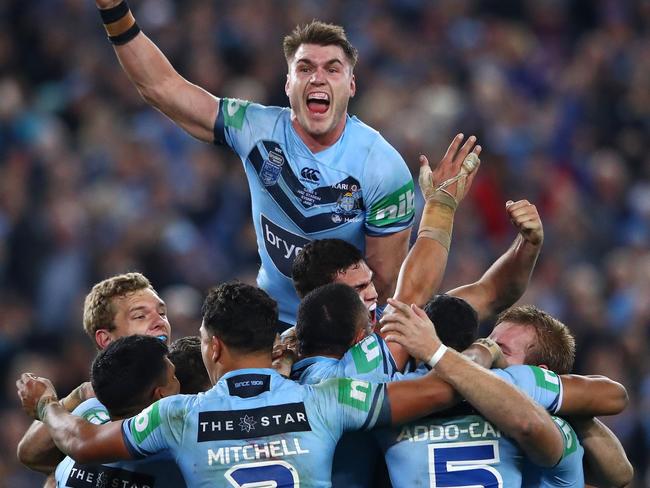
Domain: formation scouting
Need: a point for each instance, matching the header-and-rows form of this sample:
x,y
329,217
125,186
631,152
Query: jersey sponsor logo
x,y
248,385
399,206
281,245
570,438
310,174
82,476
293,196
145,423
355,393
366,355
233,112
252,422
96,416
272,167
546,379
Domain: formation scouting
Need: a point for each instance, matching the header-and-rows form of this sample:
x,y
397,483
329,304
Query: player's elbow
x,y
541,440
624,475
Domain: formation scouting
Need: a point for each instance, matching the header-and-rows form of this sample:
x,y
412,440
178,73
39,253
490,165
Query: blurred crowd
x,y
93,182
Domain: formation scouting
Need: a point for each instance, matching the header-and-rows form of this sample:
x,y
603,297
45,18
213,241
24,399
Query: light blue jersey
x,y
568,472
357,453
359,186
155,472
460,448
256,428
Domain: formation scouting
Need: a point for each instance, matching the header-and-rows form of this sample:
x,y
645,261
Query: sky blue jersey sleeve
x,y
93,411
389,193
370,360
157,428
542,385
350,404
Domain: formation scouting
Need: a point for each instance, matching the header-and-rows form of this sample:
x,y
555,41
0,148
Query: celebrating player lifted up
x,y
313,171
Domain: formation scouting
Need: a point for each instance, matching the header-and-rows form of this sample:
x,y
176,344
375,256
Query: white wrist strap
x,y
437,356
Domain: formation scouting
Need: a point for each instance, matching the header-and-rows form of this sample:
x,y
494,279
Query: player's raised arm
x,y
506,280
443,188
76,437
512,411
189,106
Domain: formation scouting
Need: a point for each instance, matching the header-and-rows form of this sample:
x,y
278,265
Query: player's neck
x,y
243,361
318,143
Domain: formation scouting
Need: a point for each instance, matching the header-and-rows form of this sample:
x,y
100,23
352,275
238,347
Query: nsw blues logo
x,y
272,167
348,203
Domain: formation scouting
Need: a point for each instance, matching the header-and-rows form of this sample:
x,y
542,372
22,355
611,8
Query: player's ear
x,y
353,86
216,349
286,85
103,338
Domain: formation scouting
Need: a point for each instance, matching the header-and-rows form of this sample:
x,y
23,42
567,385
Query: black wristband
x,y
126,36
114,14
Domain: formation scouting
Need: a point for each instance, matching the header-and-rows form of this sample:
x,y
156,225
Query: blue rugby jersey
x,y
461,448
568,472
359,186
154,472
255,426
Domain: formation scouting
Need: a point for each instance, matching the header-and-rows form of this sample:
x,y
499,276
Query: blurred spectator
x,y
94,183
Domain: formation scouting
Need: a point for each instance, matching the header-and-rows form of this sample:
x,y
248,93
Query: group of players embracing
x,y
355,385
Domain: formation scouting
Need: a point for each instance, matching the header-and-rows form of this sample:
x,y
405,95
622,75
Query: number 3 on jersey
x,y
464,464
268,474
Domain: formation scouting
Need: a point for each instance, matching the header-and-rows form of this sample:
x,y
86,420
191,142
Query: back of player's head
x,y
99,310
321,34
555,345
319,262
329,318
126,373
244,317
185,353
455,320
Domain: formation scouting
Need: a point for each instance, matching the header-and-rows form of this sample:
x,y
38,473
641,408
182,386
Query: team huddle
x,y
346,366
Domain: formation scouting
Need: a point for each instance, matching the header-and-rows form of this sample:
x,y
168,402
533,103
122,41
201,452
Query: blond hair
x,y
555,346
99,310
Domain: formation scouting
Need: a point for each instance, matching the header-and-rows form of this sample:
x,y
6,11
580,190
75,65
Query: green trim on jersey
x,y
570,437
355,393
546,379
234,111
145,423
96,416
366,355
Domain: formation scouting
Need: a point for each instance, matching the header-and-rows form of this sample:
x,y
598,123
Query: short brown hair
x,y
555,346
321,34
99,312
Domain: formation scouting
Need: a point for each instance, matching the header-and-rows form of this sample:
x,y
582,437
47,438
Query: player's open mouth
x,y
318,102
372,314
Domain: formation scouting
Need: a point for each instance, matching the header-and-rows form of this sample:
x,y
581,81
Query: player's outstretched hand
x,y
411,328
34,392
525,218
454,173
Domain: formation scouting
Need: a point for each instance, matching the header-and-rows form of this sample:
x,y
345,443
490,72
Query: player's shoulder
x,y
93,411
235,111
364,135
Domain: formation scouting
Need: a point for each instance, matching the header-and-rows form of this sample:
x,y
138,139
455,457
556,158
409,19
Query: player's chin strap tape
x,y
119,23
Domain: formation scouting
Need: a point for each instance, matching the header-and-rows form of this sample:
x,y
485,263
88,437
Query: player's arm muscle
x,y
37,450
605,461
160,85
384,256
592,396
83,441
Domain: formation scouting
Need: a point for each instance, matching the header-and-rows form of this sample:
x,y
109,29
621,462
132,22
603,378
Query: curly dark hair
x,y
185,353
244,317
328,320
455,320
319,262
125,373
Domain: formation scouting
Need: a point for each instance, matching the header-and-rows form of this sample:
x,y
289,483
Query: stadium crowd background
x,y
93,182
